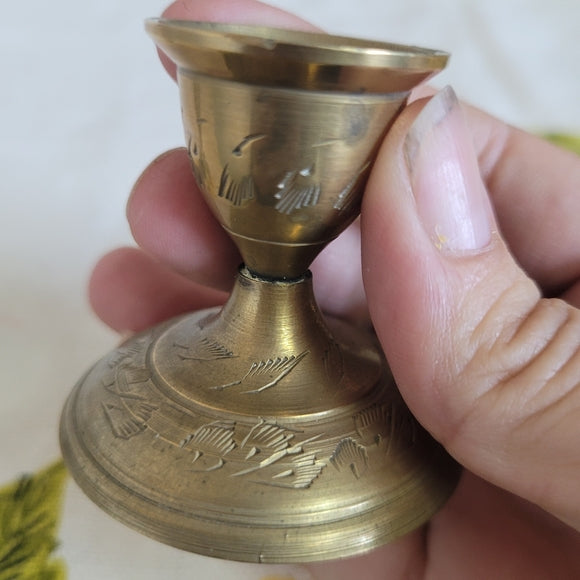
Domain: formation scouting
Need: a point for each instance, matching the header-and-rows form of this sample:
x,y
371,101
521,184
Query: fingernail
x,y
451,199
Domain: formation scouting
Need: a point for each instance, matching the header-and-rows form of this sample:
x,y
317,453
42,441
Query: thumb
x,y
489,367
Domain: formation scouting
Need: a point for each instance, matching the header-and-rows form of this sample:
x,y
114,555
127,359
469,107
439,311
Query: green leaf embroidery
x,y
571,142
29,516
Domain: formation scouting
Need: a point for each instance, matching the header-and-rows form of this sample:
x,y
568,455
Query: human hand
x,y
485,362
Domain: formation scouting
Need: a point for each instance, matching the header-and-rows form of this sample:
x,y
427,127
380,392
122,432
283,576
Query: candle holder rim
x,y
297,45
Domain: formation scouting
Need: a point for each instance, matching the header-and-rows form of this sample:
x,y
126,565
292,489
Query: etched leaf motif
x,y
126,405
373,423
352,455
128,352
127,372
305,469
122,423
215,440
125,423
204,350
267,443
348,195
391,426
267,435
29,515
266,374
236,189
236,183
297,189
195,152
238,150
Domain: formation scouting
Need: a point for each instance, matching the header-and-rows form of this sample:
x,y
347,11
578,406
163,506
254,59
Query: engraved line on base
x,y
204,350
278,367
352,455
277,456
305,470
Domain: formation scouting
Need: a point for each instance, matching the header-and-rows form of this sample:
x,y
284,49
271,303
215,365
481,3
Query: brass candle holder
x,y
263,431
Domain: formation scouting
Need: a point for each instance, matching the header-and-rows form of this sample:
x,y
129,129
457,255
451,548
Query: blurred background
x,y
85,105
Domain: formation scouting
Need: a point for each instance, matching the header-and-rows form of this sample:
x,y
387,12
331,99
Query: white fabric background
x,y
84,106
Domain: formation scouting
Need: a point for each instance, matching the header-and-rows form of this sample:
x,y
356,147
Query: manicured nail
x,y
451,199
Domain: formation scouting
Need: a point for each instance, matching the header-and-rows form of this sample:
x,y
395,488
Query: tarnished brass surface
x,y
263,431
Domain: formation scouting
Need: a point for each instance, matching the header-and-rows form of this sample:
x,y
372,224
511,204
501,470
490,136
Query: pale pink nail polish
x,y
451,199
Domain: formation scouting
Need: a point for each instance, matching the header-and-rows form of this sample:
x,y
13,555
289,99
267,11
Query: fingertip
x,y
130,291
170,220
107,290
171,158
238,11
